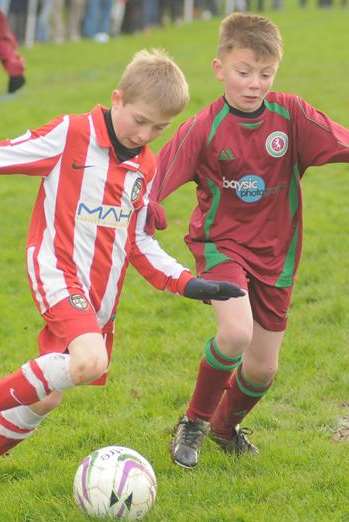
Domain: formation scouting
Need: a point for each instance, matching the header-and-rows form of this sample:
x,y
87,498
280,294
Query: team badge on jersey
x,y
136,189
277,144
79,302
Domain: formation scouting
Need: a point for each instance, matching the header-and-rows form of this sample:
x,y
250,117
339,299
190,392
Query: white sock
x,y
55,368
23,417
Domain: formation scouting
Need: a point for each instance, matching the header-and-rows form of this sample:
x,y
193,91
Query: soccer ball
x,y
115,482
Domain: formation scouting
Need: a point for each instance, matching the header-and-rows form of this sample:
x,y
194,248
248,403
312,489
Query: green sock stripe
x,y
246,391
218,365
234,360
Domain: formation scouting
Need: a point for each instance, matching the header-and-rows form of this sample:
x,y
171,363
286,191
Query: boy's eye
x,y
160,127
243,73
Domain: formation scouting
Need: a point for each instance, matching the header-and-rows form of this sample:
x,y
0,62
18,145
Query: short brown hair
x,y
153,77
248,31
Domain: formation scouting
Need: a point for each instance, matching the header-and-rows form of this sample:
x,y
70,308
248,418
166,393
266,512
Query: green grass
x,y
301,474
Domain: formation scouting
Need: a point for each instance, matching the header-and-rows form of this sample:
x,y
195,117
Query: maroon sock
x,y
210,385
238,399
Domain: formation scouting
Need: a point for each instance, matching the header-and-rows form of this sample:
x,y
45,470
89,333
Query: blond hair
x,y
248,31
154,78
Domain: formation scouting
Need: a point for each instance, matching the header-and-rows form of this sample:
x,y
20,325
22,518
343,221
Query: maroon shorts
x,y
269,304
67,320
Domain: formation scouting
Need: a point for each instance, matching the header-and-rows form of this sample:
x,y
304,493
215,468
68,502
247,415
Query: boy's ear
x,y
116,97
218,69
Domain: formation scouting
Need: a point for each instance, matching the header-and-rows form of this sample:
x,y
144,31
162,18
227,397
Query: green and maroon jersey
x,y
247,168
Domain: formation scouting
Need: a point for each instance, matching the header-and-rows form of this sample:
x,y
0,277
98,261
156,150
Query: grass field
x,y
301,475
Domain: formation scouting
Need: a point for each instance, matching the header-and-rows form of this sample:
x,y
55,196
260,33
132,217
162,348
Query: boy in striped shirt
x,y
87,225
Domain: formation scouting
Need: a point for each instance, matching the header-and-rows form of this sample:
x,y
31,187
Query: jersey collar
x,y
242,114
104,140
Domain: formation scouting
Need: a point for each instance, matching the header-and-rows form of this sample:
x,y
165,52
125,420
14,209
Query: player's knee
x,y
90,368
235,339
89,358
262,373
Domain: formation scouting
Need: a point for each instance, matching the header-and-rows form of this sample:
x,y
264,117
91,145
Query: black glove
x,y
15,83
198,288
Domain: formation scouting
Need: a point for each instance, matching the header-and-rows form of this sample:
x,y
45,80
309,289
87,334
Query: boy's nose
x,y
255,82
144,135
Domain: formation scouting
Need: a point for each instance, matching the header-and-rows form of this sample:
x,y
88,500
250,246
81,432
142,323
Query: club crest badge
x,y
136,189
277,144
79,302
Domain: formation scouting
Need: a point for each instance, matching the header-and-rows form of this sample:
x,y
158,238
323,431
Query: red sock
x,y
7,444
15,389
238,399
210,385
14,429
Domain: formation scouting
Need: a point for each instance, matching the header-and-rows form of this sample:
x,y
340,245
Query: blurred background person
x,y
133,19
43,21
4,6
12,62
57,20
97,19
171,10
205,9
17,17
117,16
236,5
274,4
151,13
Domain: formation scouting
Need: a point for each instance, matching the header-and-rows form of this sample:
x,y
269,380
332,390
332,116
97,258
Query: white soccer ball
x,y
115,482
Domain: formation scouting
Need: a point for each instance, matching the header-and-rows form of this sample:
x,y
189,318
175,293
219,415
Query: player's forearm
x,y
156,266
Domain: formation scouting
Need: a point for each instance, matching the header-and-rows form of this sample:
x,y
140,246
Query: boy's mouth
x,y
251,98
133,145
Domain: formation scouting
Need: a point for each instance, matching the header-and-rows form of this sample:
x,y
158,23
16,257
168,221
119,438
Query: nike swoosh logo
x,y
13,395
76,166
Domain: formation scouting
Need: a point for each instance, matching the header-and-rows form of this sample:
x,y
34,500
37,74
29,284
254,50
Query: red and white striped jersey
x,y
88,220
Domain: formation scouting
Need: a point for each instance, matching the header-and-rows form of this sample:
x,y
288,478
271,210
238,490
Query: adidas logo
x,y
226,155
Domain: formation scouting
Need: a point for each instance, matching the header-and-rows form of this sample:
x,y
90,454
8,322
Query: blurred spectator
x,y
70,28
206,8
43,21
117,17
51,22
171,10
17,16
13,63
97,19
275,4
4,6
151,13
133,19
237,5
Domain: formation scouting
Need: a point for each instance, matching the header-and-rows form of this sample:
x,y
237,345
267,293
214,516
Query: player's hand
x,y
198,288
156,218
